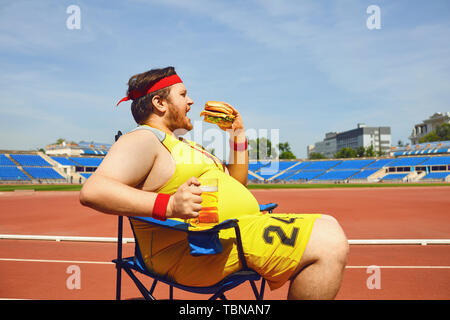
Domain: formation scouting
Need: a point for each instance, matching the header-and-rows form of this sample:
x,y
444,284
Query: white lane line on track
x,y
56,261
131,240
111,263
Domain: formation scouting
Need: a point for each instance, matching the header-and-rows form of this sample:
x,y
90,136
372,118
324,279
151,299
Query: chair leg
x,y
255,290
171,292
153,286
140,286
118,281
261,290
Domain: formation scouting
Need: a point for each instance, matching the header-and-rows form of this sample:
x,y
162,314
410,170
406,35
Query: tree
x,y
346,153
261,149
285,151
370,152
360,152
441,133
316,155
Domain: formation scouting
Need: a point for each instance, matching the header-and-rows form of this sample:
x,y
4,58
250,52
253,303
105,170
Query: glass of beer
x,y
210,200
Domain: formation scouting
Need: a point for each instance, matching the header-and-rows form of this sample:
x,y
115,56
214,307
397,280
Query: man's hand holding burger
x,y
229,119
224,115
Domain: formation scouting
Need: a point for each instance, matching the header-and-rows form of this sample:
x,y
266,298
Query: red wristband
x,y
160,206
239,146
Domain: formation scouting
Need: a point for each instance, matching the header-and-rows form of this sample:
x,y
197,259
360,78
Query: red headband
x,y
161,84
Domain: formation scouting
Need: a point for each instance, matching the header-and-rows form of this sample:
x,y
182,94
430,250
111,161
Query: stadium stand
x,y
407,162
86,162
363,174
437,176
394,176
43,173
304,176
8,173
436,161
380,163
36,167
321,165
353,164
64,161
4,161
270,171
427,148
290,172
30,160
337,175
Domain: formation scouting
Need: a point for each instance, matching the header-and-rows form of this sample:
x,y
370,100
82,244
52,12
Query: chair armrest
x,y
267,207
203,238
187,227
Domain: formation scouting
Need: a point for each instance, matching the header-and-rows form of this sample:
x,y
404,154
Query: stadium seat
x,y
30,160
42,173
86,162
395,176
64,161
353,164
337,175
4,161
9,173
364,174
436,175
380,163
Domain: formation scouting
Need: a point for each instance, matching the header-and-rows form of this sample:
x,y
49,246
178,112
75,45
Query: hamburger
x,y
219,113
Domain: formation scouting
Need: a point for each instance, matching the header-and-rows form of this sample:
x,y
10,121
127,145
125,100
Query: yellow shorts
x,y
273,246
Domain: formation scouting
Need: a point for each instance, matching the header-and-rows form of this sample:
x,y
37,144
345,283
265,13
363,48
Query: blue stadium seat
x,y
436,161
12,174
353,164
30,160
5,161
43,173
337,175
275,168
380,163
322,165
395,176
87,162
364,174
408,162
305,175
436,175
64,161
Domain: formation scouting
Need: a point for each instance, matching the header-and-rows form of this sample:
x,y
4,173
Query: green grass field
x,y
77,187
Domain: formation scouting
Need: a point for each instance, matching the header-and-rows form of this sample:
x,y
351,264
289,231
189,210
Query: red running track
x,y
38,269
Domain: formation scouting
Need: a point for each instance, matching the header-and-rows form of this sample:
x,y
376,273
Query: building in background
x,y
422,129
77,149
362,136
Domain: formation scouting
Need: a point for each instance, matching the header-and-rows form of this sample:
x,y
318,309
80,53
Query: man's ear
x,y
159,103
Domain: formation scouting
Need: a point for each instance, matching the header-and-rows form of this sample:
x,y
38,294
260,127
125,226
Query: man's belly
x,y
234,198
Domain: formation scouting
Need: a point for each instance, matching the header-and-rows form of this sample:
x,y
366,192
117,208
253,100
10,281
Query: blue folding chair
x,y
201,242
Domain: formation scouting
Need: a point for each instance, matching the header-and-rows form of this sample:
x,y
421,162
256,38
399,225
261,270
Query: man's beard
x,y
178,121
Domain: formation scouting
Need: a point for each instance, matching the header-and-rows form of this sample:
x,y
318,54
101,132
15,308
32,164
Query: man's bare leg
x,y
321,268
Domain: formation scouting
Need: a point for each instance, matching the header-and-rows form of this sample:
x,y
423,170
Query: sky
x,y
294,69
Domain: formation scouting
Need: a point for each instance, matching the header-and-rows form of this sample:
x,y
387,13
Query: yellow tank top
x,y
192,160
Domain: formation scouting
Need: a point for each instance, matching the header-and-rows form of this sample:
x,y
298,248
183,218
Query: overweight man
x,y
152,171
